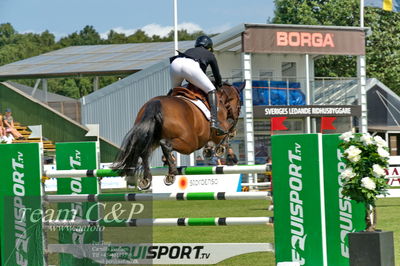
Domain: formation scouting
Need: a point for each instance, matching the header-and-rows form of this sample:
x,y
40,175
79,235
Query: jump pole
x,y
158,171
159,196
210,221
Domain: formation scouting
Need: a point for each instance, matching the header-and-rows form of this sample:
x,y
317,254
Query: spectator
x,y
8,121
214,160
199,161
3,134
231,158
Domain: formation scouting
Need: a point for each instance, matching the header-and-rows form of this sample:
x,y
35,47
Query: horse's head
x,y
230,98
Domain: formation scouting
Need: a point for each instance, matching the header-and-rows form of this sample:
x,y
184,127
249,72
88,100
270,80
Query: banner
x,y
199,183
20,208
163,253
77,155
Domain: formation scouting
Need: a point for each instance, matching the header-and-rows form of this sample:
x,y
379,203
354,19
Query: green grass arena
x,y
388,217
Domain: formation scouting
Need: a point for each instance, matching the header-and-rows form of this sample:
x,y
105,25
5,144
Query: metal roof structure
x,y
40,94
98,60
93,60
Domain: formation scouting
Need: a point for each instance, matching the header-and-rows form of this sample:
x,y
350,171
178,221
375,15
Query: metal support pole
x,y
96,83
308,93
44,86
363,93
248,112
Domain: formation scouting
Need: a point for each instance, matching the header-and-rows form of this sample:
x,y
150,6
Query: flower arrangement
x,y
366,159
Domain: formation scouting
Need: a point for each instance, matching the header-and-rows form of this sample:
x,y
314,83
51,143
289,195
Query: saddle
x,y
191,93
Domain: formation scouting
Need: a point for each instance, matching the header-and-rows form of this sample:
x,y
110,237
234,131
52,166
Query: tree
x,y
7,34
116,38
382,47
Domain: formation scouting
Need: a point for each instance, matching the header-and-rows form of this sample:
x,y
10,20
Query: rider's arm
x,y
215,71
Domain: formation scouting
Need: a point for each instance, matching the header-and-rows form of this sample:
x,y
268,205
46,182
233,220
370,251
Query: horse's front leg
x,y
166,148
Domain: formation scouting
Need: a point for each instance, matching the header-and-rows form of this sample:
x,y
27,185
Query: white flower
x,y
368,183
353,153
347,173
380,141
378,171
355,159
383,153
346,136
366,139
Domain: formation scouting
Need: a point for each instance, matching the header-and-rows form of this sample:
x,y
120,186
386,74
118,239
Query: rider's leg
x,y
214,123
196,76
176,74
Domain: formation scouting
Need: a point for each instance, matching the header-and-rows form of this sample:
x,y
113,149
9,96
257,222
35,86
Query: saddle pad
x,y
199,104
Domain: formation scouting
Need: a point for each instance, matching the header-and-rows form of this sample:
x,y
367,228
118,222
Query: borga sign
x,y
308,39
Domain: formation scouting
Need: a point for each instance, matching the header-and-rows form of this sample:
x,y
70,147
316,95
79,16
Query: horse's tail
x,y
140,140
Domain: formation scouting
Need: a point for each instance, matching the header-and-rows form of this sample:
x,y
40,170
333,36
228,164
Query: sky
x,y
63,17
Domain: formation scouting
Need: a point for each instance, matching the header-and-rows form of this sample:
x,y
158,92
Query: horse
x,y
175,124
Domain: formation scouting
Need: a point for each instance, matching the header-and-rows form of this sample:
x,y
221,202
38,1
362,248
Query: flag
x,y
388,5
36,131
93,130
327,123
277,123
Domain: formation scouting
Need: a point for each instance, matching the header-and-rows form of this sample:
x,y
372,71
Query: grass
x,y
387,209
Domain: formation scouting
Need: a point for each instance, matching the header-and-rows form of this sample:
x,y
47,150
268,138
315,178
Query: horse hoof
x,y
169,180
144,184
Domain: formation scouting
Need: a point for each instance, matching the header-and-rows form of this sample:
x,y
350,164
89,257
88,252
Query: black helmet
x,y
204,41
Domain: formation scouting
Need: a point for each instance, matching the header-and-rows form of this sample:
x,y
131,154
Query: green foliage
x,y
383,45
15,46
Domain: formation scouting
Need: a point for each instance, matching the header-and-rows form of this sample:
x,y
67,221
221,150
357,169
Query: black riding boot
x,y
212,100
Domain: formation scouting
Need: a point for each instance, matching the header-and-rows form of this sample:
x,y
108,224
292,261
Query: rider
x,y
191,65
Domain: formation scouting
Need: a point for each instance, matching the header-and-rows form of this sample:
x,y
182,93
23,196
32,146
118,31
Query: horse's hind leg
x,y
166,148
145,182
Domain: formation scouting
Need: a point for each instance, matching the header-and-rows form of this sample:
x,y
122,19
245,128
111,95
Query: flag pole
x,y
176,26
362,13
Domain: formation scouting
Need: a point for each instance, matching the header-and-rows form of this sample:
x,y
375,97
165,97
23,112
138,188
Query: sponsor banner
x,y
304,40
20,216
198,183
307,110
78,155
312,218
164,253
297,209
343,215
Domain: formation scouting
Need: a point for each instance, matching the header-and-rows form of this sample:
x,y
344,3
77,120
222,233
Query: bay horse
x,y
175,124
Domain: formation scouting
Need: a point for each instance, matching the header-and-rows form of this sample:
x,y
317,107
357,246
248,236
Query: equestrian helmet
x,y
204,41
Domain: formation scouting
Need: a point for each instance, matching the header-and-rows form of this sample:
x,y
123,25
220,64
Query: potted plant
x,y
367,159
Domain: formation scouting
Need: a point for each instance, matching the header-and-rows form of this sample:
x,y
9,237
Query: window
x,y
265,74
289,71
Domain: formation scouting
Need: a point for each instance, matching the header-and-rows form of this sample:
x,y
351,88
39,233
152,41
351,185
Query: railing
x,y
324,90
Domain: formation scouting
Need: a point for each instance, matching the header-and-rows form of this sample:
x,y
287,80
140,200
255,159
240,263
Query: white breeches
x,y
185,68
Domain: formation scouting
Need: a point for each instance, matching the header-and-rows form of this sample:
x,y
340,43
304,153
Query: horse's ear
x,y
241,87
